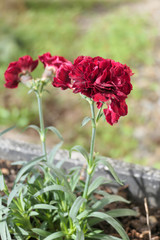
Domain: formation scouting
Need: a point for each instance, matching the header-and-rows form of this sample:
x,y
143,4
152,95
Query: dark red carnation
x,y
103,80
62,78
52,61
17,69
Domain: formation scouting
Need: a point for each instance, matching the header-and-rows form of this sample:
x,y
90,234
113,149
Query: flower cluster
x,y
70,216
102,80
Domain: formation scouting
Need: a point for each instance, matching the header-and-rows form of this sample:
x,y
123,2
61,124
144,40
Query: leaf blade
x,y
96,183
121,212
112,222
75,207
55,235
53,152
104,161
54,187
41,232
27,166
7,130
85,121
81,150
56,131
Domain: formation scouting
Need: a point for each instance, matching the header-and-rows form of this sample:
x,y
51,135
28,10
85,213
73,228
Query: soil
x,y
136,227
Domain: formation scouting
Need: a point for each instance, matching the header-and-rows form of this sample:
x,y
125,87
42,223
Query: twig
x,y
147,217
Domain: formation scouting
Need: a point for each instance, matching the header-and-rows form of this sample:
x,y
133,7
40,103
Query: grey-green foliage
x,y
44,205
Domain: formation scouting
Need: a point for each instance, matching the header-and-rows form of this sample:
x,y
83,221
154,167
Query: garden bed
x,y
140,183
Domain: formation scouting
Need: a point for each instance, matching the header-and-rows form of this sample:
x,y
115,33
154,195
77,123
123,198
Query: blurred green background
x,y
70,28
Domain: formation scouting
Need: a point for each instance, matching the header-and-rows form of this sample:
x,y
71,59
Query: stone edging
x,y
142,181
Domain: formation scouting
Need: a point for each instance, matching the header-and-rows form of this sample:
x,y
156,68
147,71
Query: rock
x,y
153,221
156,238
12,171
144,235
5,171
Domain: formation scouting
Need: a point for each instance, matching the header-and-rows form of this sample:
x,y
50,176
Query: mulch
x,y
136,227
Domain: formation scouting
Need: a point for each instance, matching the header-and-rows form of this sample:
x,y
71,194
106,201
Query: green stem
x,y
93,134
99,113
90,166
42,129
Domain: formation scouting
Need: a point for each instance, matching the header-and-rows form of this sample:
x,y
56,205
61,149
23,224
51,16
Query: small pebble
x,y
156,238
12,171
5,171
144,235
153,221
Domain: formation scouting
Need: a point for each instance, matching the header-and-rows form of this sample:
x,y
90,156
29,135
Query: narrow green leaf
x,y
8,233
81,150
112,222
22,201
55,187
103,237
83,214
74,180
108,198
85,121
79,235
3,231
3,210
18,235
56,131
36,128
94,221
55,235
19,163
34,177
43,206
60,175
99,116
22,231
53,152
104,161
2,183
13,193
1,206
33,213
60,163
7,130
41,232
30,91
121,212
96,183
27,166
75,207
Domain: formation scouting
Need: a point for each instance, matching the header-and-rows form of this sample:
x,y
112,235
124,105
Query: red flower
x,y
18,69
52,61
62,78
103,80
